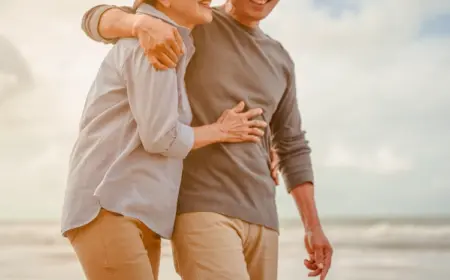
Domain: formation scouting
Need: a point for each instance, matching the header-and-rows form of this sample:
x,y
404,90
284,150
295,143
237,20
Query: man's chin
x,y
257,16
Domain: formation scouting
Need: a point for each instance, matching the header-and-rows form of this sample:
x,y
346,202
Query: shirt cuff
x,y
183,142
299,178
94,23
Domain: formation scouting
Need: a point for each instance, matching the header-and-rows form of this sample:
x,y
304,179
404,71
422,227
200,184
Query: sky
x,y
373,87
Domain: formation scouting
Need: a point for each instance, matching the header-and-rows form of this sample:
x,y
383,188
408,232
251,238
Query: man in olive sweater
x,y
227,225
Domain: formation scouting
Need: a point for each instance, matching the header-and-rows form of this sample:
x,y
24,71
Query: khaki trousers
x,y
210,246
114,247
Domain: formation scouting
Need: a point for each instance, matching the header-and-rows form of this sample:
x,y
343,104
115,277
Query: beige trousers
x,y
114,247
210,246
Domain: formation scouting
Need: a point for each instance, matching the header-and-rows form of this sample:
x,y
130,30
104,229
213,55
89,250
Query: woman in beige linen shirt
x,y
125,167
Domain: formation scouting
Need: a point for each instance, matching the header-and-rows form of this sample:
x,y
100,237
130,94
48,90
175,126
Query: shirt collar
x,y
152,11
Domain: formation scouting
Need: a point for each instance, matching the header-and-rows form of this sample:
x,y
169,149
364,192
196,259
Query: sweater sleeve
x,y
91,21
289,139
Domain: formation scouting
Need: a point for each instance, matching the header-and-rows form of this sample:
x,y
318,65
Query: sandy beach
x,y
364,251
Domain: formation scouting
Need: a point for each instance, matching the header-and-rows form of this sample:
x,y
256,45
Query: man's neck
x,y
229,9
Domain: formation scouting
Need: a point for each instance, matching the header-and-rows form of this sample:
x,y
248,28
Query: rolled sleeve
x,y
91,22
154,101
289,139
297,179
295,160
182,142
296,170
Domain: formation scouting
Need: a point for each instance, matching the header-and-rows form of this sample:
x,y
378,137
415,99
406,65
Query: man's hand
x,y
161,41
274,165
319,251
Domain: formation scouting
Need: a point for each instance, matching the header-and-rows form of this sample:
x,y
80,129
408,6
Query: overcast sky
x,y
373,88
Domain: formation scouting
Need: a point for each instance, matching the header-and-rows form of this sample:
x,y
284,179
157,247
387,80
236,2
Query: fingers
x,y
315,267
177,45
318,262
254,127
324,272
174,47
274,175
155,62
161,40
256,123
274,162
165,53
310,264
239,128
246,134
173,57
241,132
236,109
166,60
247,138
250,114
319,257
256,131
314,273
239,107
327,262
320,253
273,153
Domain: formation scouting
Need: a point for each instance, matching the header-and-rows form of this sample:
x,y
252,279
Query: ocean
x,y
365,249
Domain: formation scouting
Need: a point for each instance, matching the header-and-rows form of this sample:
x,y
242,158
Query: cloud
x,y
373,84
381,161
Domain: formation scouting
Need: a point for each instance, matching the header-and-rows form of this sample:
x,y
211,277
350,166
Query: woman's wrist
x,y
217,134
206,135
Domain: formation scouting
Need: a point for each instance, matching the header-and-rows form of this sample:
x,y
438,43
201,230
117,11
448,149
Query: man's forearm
x,y
116,23
107,23
304,198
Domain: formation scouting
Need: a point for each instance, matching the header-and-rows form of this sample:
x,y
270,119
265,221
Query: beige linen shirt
x,y
134,134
